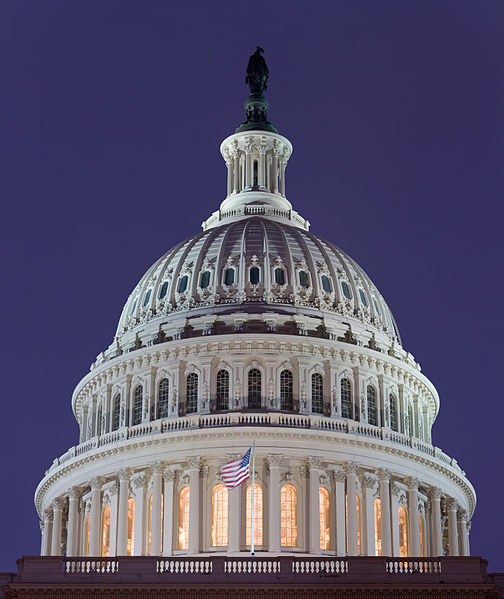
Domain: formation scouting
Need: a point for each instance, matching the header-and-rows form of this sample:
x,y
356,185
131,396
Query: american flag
x,y
235,472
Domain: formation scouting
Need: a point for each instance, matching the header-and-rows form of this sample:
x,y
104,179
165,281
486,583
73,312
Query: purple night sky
x,y
112,113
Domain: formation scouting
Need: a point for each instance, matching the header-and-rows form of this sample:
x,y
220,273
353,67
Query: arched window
x,y
205,279
255,174
346,398
288,516
219,516
304,279
163,290
346,290
137,404
317,393
131,526
183,284
229,276
105,540
325,519
183,518
254,275
393,412
403,532
411,424
279,276
258,515
222,395
371,405
326,284
363,297
163,398
377,526
116,412
421,529
286,390
147,297
87,529
191,393
359,527
254,389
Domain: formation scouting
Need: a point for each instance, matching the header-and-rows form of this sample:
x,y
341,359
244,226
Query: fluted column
x,y
47,532
73,519
394,512
95,516
236,168
313,505
368,485
248,163
414,540
262,166
113,492
437,535
157,471
274,461
168,478
452,507
57,506
122,517
462,532
386,525
340,519
138,483
194,504
351,496
234,512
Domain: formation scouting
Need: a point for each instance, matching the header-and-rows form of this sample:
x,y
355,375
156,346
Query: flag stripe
x,y
235,472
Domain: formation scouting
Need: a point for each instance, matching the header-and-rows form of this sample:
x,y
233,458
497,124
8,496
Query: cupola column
x,y
462,532
138,483
313,505
262,167
73,514
248,163
274,461
157,470
368,486
351,499
95,519
122,518
234,512
384,478
452,507
414,541
46,534
339,492
194,504
437,538
57,525
168,478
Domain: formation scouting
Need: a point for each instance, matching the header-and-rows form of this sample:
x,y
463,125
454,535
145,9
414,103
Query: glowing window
x,y
87,528
326,284
205,279
192,393
219,516
288,516
359,528
105,544
183,518
183,284
371,405
279,276
163,290
304,280
363,297
393,412
147,297
149,524
421,528
325,519
286,390
346,290
403,532
254,275
163,398
222,395
131,526
258,515
254,388
346,398
137,404
317,389
229,276
116,412
377,526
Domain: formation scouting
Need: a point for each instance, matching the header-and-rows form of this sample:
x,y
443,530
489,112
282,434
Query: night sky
x,y
111,116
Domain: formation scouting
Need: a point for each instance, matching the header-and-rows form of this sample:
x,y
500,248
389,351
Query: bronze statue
x,y
257,72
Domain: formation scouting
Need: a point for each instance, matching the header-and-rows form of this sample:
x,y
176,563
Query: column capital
x,y
194,462
451,504
157,467
462,515
368,480
274,459
138,481
48,514
412,483
339,475
96,482
350,468
124,474
304,470
58,504
204,470
169,475
114,488
395,489
383,475
74,493
42,526
435,494
313,462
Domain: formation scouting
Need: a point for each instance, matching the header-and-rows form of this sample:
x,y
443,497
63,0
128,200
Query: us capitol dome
x,y
255,330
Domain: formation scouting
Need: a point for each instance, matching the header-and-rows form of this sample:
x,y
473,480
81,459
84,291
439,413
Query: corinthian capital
x,y
157,467
274,459
383,475
58,504
435,494
124,474
194,462
314,462
74,493
412,483
96,482
169,475
451,504
350,468
339,475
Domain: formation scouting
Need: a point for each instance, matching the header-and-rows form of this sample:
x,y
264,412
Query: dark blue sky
x,y
111,117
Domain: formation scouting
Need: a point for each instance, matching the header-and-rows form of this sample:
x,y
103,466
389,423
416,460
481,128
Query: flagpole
x,y
253,501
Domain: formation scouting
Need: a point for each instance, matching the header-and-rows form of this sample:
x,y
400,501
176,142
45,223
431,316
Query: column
x,y
113,492
168,515
95,517
46,534
394,509
462,532
248,162
138,483
467,542
72,524
274,461
351,496
414,531
122,516
262,166
157,472
339,496
234,515
274,171
57,506
313,505
236,170
368,485
452,506
437,535
386,532
194,504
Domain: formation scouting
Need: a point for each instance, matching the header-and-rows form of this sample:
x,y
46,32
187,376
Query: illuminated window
x,y
359,528
163,398
183,518
258,515
105,545
192,393
87,528
393,412
346,398
254,388
131,526
279,276
288,516
219,516
325,519
137,404
377,526
286,390
149,524
116,412
403,531
421,528
317,391
371,405
222,396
